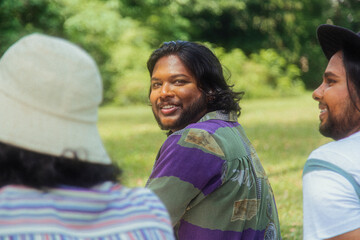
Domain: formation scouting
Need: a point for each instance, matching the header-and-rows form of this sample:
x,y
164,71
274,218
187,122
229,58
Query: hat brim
x,y
332,38
19,122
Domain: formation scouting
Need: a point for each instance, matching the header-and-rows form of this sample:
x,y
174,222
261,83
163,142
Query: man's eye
x,y
330,81
155,85
179,82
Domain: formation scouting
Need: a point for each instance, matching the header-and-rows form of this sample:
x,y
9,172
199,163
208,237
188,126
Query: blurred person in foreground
x,y
207,172
56,179
331,177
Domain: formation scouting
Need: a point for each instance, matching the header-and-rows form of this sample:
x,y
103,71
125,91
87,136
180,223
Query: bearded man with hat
x,y
331,177
56,179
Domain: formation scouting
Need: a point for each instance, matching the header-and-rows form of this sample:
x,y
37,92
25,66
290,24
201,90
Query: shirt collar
x,y
219,114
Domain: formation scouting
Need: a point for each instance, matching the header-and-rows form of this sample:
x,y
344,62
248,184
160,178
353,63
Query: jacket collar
x,y
219,114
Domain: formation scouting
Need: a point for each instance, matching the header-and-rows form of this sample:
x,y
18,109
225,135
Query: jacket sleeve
x,y
185,169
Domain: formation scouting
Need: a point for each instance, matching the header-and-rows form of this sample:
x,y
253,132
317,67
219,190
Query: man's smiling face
x,y
338,116
175,96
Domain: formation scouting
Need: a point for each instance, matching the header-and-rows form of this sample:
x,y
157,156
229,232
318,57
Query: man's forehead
x,y
335,66
337,57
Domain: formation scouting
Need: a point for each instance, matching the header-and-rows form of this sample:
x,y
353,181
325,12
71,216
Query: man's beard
x,y
188,116
338,127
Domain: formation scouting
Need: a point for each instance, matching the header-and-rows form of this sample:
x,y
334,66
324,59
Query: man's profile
x,y
331,177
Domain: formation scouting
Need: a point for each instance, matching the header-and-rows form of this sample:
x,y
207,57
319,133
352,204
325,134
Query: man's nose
x,y
318,93
167,90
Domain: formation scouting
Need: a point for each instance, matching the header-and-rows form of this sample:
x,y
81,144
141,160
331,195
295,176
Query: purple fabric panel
x,y
190,231
212,125
201,169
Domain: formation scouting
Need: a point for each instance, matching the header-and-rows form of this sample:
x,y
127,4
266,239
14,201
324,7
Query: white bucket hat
x,y
50,91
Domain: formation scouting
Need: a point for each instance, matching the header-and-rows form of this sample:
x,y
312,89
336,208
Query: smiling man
x,y
331,178
207,172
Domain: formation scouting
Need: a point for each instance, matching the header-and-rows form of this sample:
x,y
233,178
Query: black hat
x,y
334,38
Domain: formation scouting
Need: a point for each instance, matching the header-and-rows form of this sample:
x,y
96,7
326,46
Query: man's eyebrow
x,y
172,76
329,74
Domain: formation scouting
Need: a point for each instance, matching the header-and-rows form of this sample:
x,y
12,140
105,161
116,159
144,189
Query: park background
x,y
268,48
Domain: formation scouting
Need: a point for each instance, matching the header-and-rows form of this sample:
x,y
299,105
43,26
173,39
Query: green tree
x,y
21,17
120,34
118,44
287,26
164,17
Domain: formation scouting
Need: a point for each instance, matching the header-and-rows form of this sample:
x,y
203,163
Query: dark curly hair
x,y
23,167
207,70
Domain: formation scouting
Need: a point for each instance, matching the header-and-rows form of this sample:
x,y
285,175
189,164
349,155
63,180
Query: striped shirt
x,y
213,184
108,211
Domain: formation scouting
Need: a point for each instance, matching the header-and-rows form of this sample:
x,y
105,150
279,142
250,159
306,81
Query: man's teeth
x,y
323,110
168,106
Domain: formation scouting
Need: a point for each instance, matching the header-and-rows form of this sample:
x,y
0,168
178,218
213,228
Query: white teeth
x,y
168,106
323,110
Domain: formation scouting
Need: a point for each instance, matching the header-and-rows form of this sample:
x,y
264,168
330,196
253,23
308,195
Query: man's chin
x,y
325,130
163,127
164,124
332,132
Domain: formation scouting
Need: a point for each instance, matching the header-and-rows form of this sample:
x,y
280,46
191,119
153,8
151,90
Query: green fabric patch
x,y
174,193
245,209
204,140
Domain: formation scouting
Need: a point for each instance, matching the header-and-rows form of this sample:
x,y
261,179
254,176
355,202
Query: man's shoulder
x,y
204,128
346,145
200,135
343,153
211,126
326,152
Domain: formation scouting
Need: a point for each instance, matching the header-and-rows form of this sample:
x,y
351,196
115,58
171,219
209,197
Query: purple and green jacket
x,y
213,184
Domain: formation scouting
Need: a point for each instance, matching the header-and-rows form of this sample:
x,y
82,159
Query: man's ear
x,y
210,96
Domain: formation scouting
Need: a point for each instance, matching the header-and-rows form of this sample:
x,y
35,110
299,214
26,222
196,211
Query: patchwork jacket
x,y
213,184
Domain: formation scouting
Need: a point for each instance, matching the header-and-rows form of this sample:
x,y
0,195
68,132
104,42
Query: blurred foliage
x,y
117,43
262,74
269,46
21,17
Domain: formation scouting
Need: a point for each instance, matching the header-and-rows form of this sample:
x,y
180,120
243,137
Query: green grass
x,y
283,131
